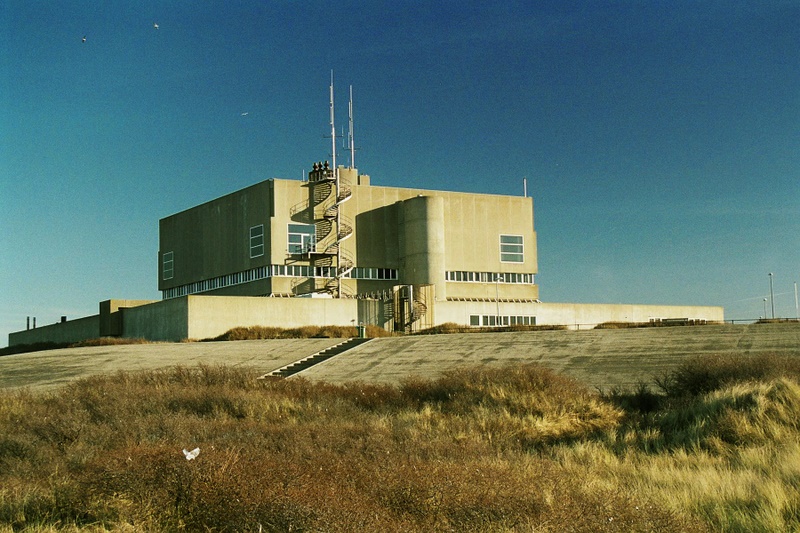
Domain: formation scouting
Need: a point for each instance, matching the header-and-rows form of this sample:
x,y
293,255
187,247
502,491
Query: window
x,y
302,238
511,249
167,267
491,320
257,241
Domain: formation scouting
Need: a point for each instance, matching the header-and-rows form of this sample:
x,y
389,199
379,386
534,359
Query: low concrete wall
x,y
201,317
111,315
210,316
574,315
76,330
167,320
590,315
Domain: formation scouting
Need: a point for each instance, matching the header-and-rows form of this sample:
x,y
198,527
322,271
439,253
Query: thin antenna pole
x,y
336,201
333,129
350,134
525,187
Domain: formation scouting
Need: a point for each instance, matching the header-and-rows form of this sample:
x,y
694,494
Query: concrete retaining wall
x,y
575,316
76,330
201,317
210,316
589,315
167,320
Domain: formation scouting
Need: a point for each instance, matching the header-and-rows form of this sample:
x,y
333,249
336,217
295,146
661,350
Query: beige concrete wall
x,y
492,291
593,314
422,242
574,315
210,316
76,330
473,224
167,320
289,195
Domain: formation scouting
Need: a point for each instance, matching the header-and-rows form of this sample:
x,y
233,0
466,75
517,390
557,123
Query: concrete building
x,y
338,236
336,250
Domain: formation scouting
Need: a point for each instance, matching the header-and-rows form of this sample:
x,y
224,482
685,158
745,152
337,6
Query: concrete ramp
x,y
600,358
54,368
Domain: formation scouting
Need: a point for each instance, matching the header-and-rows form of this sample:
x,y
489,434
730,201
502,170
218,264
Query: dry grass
x,y
478,449
304,332
654,324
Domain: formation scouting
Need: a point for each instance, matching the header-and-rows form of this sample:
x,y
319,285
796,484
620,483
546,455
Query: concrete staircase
x,y
311,360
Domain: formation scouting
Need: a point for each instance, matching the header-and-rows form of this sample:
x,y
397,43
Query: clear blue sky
x,y
660,140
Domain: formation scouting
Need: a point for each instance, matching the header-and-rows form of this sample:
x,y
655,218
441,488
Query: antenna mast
x,y
336,201
333,130
350,133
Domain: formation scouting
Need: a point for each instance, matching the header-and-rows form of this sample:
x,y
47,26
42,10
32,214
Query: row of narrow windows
x,y
264,272
494,320
305,271
489,277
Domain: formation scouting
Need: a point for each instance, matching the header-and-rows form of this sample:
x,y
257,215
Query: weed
x,y
516,448
304,332
702,374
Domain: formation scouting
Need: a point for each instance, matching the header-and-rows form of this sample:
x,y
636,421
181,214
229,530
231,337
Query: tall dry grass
x,y
478,449
304,332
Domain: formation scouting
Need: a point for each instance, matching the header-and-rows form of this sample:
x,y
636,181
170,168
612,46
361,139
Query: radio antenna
x,y
350,133
333,129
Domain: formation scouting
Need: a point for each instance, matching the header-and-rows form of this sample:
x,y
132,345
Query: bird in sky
x,y
192,454
155,25
84,39
245,113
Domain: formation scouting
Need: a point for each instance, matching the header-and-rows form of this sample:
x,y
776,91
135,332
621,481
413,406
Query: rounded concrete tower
x,y
422,252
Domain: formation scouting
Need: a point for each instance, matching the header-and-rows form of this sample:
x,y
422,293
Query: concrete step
x,y
314,359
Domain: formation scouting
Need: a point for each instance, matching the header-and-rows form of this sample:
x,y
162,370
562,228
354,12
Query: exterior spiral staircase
x,y
410,308
324,209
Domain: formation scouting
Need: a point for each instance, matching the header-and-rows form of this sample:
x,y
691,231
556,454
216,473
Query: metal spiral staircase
x,y
418,307
328,192
410,308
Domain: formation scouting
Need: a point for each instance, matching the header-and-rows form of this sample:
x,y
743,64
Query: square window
x,y
302,238
511,249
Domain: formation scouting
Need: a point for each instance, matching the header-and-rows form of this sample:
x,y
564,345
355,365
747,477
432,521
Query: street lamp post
x,y
765,308
771,296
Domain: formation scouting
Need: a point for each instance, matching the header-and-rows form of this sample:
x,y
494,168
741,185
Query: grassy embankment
x,y
479,449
